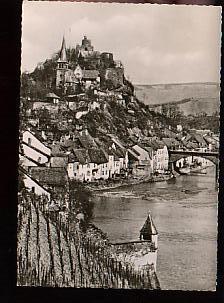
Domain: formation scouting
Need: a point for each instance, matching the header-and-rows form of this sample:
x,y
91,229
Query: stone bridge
x,y
175,155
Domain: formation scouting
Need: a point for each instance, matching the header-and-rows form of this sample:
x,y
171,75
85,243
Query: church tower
x,y
62,66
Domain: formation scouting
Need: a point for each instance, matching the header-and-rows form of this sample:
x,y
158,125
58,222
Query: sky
x,y
156,43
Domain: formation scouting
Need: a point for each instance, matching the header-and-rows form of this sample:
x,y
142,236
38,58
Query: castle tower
x,y
86,44
62,65
149,232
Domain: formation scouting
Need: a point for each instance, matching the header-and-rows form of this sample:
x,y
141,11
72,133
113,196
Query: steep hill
x,y
54,252
191,97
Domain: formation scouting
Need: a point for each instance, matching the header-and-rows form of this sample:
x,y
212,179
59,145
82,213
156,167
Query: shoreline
x,y
102,187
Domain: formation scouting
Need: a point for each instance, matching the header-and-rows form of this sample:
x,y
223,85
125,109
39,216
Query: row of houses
x,y
84,158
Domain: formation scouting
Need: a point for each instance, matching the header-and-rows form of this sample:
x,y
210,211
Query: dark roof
x,y
97,156
81,155
133,154
190,145
49,175
22,170
149,227
199,138
90,74
59,162
170,142
87,141
68,144
57,150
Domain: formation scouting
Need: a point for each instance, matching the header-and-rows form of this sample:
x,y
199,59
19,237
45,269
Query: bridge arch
x,y
173,158
175,155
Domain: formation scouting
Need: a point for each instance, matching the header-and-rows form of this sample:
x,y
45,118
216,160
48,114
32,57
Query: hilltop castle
x,y
87,67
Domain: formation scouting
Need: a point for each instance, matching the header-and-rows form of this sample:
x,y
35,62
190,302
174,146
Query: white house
x,y
88,165
140,161
31,140
26,162
34,155
143,155
34,186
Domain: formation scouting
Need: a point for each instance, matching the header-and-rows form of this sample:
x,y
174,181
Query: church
x,y
87,68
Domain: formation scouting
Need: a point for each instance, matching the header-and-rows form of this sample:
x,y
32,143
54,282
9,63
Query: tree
x,y
80,199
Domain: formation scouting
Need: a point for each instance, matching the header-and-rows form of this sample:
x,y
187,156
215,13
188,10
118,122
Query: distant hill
x,y
191,97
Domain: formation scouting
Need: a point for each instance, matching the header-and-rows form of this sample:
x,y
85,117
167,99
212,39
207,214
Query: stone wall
x,y
112,76
138,253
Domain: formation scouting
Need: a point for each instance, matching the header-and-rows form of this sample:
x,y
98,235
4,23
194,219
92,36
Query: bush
x,y
80,199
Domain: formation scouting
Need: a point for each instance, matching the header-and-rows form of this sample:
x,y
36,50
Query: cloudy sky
x,y
156,43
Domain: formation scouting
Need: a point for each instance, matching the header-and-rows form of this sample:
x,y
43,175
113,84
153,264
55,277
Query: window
x,y
29,141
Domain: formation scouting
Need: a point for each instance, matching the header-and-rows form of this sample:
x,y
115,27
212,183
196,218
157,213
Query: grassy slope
x,y
205,95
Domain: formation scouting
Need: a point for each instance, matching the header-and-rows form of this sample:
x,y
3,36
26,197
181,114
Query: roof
x,y
189,144
133,154
22,170
87,141
80,155
97,156
90,74
63,56
148,149
170,142
105,145
52,95
59,162
149,227
210,139
53,176
199,138
57,150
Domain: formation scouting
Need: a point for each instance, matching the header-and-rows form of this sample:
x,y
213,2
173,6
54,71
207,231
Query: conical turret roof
x,y
63,56
149,227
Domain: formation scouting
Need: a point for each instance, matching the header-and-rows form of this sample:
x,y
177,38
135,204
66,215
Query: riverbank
x,y
112,184
186,249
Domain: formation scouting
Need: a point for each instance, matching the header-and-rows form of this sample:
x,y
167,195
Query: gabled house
x,y
172,143
34,149
77,165
54,178
121,151
160,155
52,98
88,165
140,161
33,185
198,141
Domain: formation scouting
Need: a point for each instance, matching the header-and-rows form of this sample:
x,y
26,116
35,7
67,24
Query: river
x,y
185,214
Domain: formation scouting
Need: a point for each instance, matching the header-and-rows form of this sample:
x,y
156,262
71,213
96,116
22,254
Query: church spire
x,y
63,56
